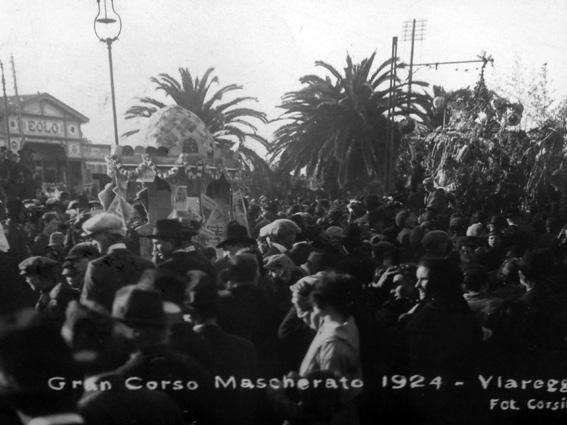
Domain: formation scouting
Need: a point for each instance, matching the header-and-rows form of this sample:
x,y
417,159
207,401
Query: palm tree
x,y
230,123
337,126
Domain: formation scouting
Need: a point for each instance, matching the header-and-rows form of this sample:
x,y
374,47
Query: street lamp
x,y
107,27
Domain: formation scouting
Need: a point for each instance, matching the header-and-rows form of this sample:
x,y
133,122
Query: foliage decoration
x,y
484,158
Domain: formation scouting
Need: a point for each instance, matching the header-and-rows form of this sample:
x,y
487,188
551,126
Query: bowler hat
x,y
236,234
135,305
168,228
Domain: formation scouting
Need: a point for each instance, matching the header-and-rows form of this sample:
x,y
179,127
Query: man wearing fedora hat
x,y
236,238
246,310
230,355
170,238
76,262
88,331
141,319
117,267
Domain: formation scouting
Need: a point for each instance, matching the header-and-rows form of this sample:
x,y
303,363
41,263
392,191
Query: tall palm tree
x,y
337,126
230,122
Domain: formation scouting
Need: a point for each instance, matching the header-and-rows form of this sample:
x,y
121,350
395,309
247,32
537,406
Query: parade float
x,y
483,156
180,171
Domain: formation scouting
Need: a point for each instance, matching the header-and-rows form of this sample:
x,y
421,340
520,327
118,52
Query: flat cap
x,y
37,265
103,223
335,232
475,230
280,226
82,250
279,261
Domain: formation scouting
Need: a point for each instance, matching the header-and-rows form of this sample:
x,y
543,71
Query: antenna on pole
x,y
6,121
18,101
413,30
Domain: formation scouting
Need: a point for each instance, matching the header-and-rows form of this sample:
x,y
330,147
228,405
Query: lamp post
x,y
107,27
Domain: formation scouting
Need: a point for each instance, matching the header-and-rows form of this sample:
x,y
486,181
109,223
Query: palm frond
x,y
227,122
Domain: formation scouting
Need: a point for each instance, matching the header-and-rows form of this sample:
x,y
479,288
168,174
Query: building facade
x,y
51,131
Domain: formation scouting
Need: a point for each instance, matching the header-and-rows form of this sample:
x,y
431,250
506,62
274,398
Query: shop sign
x,y
34,126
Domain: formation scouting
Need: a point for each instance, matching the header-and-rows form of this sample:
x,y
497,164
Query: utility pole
x,y
417,32
18,103
6,120
389,151
411,62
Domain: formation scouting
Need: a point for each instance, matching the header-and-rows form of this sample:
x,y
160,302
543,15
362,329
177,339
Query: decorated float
x,y
180,171
482,156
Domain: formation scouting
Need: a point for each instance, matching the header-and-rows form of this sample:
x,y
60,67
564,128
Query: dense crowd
x,y
320,312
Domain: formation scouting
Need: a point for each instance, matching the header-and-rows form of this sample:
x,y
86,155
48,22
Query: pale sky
x,y
264,45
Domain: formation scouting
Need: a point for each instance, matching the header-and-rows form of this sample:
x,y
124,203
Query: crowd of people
x,y
317,311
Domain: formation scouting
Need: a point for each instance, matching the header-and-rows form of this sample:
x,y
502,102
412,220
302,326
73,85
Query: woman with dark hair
x,y
443,339
442,332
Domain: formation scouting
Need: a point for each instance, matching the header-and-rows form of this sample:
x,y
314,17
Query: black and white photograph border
x,y
283,212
